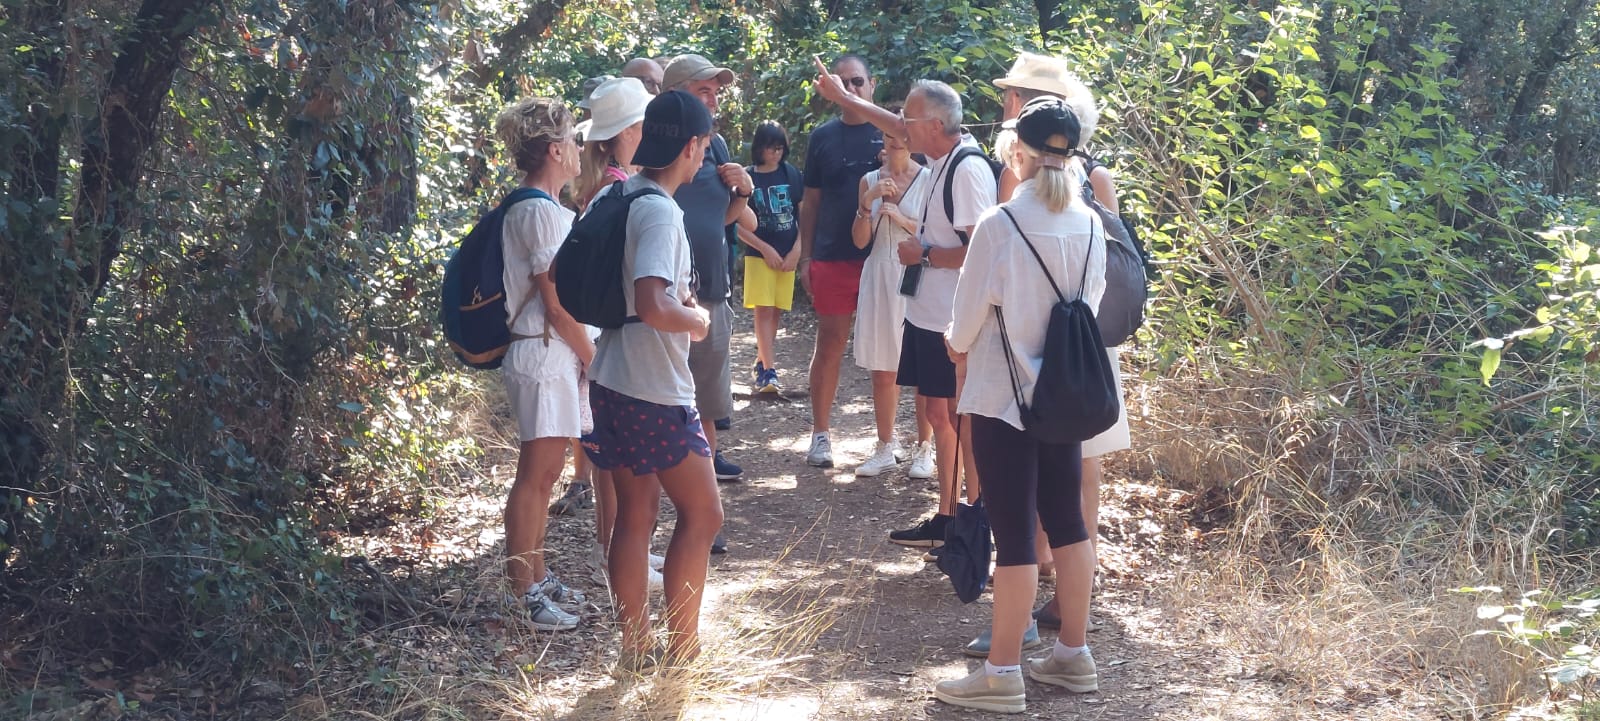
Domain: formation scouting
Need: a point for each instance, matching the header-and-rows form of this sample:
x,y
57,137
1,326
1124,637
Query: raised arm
x,y
831,88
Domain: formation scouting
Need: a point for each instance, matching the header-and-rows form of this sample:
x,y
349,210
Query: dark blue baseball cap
x,y
671,120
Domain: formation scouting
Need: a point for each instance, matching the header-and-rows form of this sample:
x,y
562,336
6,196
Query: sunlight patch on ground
x,y
794,707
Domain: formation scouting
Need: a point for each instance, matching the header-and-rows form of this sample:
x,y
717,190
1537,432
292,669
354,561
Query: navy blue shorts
x,y
641,436
925,364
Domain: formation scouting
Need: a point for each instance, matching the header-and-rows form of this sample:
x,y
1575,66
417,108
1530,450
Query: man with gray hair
x,y
931,124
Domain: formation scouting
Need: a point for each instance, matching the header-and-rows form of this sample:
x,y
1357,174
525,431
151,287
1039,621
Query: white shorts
x,y
545,387
1117,437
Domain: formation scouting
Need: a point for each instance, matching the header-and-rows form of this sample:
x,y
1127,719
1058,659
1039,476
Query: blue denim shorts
x,y
641,436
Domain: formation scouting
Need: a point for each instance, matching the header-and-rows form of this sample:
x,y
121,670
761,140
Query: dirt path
x,y
812,614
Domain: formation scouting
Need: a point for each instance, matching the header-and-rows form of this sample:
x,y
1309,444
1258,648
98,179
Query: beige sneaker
x,y
981,691
1076,674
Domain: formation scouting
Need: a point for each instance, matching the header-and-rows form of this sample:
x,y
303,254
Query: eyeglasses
x,y
857,81
905,119
652,85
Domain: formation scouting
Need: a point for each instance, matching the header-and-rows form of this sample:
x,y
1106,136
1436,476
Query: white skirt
x,y
880,312
545,387
1117,437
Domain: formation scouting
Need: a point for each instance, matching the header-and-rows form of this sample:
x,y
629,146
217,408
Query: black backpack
x,y
962,152
588,266
1075,397
472,304
1127,288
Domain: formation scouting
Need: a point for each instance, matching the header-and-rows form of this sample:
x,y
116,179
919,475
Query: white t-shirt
x,y
973,192
533,232
637,360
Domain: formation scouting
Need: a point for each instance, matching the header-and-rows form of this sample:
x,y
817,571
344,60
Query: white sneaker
x,y
922,461
900,452
882,460
821,453
655,581
657,562
544,614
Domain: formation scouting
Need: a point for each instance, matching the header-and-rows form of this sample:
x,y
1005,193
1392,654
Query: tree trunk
x,y
114,152
1051,18
1550,55
517,39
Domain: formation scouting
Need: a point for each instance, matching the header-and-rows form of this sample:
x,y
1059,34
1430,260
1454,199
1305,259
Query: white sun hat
x,y
614,105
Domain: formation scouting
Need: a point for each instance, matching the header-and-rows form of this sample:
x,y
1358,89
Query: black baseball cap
x,y
671,120
1043,117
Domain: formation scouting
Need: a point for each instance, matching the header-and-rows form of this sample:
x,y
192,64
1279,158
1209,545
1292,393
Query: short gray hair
x,y
945,100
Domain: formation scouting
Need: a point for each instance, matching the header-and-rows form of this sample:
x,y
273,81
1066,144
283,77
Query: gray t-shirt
x,y
705,206
637,360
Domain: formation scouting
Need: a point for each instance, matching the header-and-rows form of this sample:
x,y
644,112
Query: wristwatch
x,y
927,259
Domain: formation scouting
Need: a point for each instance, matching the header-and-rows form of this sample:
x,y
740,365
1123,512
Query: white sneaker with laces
x,y
922,461
900,452
882,460
821,453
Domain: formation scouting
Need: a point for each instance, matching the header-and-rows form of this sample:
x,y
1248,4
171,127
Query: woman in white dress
x,y
887,215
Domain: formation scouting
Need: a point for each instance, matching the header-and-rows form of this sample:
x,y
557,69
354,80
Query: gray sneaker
x,y
544,614
821,453
1076,674
981,691
979,647
557,591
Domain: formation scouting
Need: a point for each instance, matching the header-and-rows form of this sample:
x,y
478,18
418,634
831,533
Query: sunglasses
x,y
856,81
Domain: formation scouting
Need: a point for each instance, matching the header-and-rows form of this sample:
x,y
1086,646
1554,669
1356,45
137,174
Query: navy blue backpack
x,y
473,302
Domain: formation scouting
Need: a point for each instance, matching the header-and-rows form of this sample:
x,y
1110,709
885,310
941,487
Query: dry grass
x,y
1352,533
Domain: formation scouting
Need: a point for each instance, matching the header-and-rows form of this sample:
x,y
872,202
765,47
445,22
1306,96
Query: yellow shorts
x,y
765,287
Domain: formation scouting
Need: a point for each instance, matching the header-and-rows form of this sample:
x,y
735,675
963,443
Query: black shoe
x,y
1047,616
722,424
720,545
726,470
927,534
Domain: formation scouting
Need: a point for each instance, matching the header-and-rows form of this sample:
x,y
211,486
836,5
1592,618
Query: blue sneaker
x,y
726,470
756,371
767,382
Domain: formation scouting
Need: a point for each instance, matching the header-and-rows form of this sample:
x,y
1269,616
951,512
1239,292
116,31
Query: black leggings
x,y
1024,479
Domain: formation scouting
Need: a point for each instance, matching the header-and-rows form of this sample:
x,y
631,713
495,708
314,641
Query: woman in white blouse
x,y
1023,478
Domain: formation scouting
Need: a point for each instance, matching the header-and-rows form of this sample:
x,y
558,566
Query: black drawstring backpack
x,y
1075,397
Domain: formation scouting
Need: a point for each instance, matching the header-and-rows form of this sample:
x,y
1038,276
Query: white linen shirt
x,y
1001,272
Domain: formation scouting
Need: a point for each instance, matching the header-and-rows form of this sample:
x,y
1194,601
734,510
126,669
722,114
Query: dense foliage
x,y
224,222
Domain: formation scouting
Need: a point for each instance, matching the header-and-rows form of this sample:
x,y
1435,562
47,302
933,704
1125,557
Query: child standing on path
x,y
769,278
647,429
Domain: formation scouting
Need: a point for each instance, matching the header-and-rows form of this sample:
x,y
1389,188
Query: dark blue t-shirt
x,y
704,201
777,196
836,158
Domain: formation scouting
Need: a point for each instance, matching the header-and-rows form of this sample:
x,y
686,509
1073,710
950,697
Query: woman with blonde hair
x,y
1045,236
548,352
610,136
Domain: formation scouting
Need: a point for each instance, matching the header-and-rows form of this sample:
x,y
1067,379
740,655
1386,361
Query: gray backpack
x,y
1122,308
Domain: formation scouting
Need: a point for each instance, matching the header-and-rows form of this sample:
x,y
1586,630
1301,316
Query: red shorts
x,y
835,285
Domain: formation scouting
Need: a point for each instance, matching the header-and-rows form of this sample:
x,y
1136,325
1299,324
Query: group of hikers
x,y
902,232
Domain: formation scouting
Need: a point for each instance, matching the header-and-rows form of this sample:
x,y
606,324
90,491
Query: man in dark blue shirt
x,y
715,198
839,153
